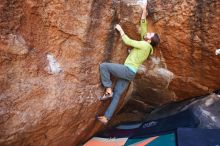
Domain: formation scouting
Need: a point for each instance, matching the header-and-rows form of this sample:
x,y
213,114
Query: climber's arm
x,y
128,41
143,20
134,43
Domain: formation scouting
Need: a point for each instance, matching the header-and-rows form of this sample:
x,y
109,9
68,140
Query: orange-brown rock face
x,y
50,53
185,64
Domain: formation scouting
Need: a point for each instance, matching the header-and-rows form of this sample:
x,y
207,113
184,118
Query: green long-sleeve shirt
x,y
141,49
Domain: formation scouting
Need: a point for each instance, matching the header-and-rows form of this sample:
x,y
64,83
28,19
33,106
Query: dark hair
x,y
155,40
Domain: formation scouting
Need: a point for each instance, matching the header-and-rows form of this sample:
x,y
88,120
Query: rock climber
x,y
126,72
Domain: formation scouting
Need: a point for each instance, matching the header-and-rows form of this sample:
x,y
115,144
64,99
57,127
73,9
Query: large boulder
x,y
185,64
50,53
49,68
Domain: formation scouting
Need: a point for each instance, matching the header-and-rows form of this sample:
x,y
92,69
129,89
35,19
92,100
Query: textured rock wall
x,y
185,64
50,52
49,77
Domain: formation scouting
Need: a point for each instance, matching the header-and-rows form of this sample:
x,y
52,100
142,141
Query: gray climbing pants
x,y
123,74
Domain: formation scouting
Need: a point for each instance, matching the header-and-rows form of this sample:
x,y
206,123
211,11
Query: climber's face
x,y
148,36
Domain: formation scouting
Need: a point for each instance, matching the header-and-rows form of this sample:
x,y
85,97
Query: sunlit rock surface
x,y
50,53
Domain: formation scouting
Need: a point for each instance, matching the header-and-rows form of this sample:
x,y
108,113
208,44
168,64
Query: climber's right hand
x,y
144,5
